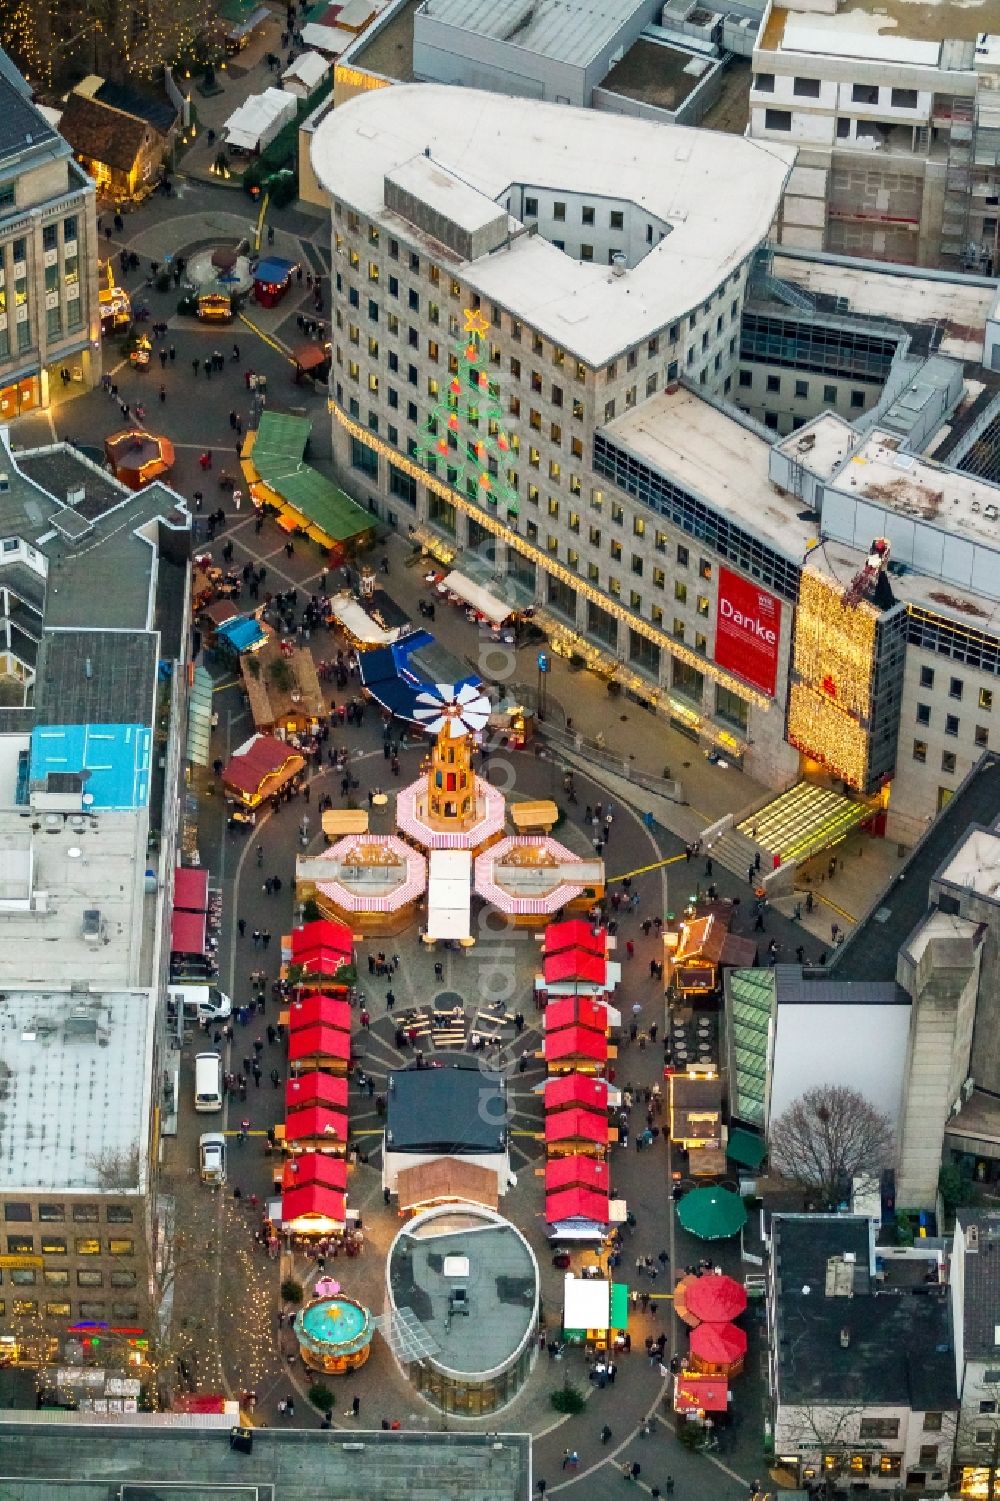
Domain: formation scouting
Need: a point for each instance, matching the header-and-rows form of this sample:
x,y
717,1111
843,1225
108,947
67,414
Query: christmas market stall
x,y
304,501
272,277
259,769
136,457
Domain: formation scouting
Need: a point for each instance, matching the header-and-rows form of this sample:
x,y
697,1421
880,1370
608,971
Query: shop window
x,y
123,1278
23,1276
14,1210
57,1309
20,1245
92,1310
121,1246
88,1245
56,1276
51,1212
53,1245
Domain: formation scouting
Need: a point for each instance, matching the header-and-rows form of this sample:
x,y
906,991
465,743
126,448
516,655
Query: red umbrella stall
x,y
715,1299
718,1349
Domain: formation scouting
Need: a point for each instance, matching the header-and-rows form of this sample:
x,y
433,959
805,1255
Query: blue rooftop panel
x,y
113,759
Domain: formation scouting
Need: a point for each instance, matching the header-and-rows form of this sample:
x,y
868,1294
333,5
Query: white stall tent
x,y
449,895
259,119
305,74
494,610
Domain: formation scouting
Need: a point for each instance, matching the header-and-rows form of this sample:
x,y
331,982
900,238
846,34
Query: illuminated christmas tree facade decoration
x,y
464,439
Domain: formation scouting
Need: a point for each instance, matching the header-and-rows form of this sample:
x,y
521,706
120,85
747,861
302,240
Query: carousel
x,y
334,1332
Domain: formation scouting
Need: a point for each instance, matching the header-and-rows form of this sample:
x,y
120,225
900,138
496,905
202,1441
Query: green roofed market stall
x,y
275,470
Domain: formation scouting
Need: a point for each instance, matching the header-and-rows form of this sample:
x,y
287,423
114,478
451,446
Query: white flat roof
x,y
717,457
855,35
976,864
77,1080
718,193
105,874
822,445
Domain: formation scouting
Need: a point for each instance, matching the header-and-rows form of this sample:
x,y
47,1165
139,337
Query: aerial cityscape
x,y
499,786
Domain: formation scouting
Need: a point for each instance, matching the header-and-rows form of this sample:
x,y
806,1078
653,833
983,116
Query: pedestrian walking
x,y
265,937
275,1078
256,938
605,1434
241,925
195,363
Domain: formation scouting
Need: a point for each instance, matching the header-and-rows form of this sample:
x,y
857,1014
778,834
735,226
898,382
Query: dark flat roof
x,y
898,1350
794,989
47,1455
982,1284
119,689
870,952
455,1109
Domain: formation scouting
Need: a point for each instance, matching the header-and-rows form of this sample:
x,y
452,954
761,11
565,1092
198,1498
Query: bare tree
x,y
826,1137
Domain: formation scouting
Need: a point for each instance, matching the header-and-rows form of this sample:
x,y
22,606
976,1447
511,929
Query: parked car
x,y
212,1158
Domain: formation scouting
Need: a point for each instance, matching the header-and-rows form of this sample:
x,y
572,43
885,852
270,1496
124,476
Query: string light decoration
x,y
548,564
833,665
120,39
464,432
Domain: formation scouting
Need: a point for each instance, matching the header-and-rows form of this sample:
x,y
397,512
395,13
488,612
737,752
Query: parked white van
x,y
208,1082
203,1002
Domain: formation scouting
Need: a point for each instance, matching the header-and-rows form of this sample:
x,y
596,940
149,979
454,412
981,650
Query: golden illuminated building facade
x,y
833,665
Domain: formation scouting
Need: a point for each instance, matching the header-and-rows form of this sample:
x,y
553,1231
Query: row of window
x,y
959,642
61,1308
861,93
949,760
57,1245
51,1213
59,1276
803,344
616,216
800,390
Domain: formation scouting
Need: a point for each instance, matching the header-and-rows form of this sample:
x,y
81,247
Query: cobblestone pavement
x,y
226,1296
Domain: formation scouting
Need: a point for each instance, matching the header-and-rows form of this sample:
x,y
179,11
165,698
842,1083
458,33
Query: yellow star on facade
x,y
475,322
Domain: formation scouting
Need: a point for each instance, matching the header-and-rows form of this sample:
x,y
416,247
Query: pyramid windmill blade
x,y
429,698
467,693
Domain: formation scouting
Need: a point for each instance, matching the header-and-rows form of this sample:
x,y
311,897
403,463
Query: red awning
x,y
187,932
575,934
575,964
576,1089
716,1299
319,1042
198,1402
315,1169
262,757
313,1203
323,934
317,1123
568,1010
694,1393
575,1042
576,1172
319,1010
191,888
316,1088
568,1125
577,1204
718,1344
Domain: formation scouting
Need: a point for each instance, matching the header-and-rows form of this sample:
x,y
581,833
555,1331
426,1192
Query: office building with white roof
x,y
705,444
